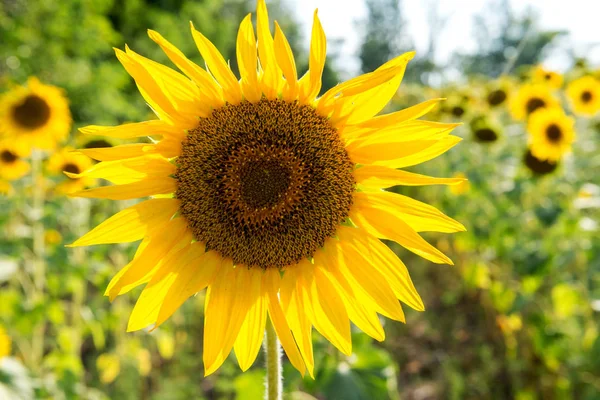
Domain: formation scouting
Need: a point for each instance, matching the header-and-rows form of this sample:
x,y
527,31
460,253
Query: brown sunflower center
x,y
486,135
534,104
548,76
537,166
586,96
71,168
457,111
8,156
496,97
553,133
32,113
264,183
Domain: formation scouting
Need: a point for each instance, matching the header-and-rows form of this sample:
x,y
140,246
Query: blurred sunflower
x,y
537,166
497,93
5,343
70,163
37,115
551,133
265,210
529,98
484,130
584,94
550,78
12,165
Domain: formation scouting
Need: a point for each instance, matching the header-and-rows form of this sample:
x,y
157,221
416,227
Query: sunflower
x,y
70,163
529,98
537,166
12,165
497,93
584,94
5,343
547,77
37,115
551,133
484,130
269,196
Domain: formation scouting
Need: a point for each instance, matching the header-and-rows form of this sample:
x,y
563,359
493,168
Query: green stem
x,y
273,352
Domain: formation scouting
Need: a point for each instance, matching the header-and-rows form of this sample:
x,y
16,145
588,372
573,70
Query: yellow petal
x,y
386,262
375,177
401,116
171,237
419,216
271,281
386,225
285,59
129,170
297,316
227,302
134,130
145,312
248,60
310,84
405,132
330,317
252,331
271,77
388,154
118,152
147,187
207,85
198,274
218,67
131,224
425,154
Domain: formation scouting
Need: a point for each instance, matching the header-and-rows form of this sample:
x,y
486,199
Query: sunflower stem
x,y
273,353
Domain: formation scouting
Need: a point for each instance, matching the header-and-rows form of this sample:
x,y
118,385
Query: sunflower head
x,y
584,94
268,195
551,133
12,163
543,76
529,98
70,163
537,166
484,130
36,115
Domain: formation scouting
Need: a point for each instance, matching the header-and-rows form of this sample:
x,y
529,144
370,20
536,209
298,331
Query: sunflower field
x,y
181,204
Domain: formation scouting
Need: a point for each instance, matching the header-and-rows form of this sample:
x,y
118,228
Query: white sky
x,y
578,17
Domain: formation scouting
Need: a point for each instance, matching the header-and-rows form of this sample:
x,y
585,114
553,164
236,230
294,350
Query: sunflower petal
x,y
425,154
386,225
218,67
207,85
191,280
271,77
249,339
134,130
405,132
228,300
400,116
272,281
375,177
310,84
248,60
118,152
143,188
130,224
128,170
285,59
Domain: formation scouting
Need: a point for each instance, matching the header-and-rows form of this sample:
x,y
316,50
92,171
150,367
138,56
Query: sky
x,y
578,17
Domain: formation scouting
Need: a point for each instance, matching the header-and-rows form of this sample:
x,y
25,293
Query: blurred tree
x,y
506,41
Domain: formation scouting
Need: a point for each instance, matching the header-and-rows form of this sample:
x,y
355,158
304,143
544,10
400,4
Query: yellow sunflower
x,y
37,115
498,92
12,165
551,133
529,98
269,196
5,343
70,163
547,77
584,94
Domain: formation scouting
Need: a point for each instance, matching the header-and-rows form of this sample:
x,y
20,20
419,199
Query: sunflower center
x,y
264,183
32,113
553,133
548,76
586,96
8,157
71,168
496,97
486,135
533,104
457,111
